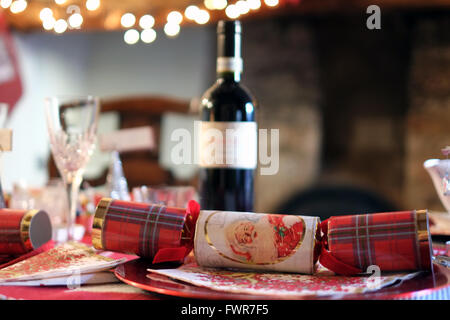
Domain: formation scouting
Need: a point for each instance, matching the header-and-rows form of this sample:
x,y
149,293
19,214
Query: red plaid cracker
x,y
393,241
143,229
12,241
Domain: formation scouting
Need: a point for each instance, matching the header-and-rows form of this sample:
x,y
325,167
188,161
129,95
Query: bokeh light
x,y
45,13
75,20
131,36
220,4
128,20
60,26
271,3
92,5
5,3
232,11
243,7
146,21
202,17
49,23
174,17
18,6
171,29
254,4
191,12
148,35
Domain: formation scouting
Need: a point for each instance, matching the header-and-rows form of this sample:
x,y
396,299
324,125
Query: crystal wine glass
x,y
72,128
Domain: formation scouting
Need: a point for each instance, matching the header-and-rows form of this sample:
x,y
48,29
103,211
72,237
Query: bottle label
x,y
229,64
228,144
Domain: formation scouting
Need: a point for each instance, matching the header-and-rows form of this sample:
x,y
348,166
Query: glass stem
x,y
72,187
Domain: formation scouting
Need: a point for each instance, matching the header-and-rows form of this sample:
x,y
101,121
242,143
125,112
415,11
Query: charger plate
x,y
135,273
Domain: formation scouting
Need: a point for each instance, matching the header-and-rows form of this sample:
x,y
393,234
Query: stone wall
x,y
428,119
281,71
364,83
354,106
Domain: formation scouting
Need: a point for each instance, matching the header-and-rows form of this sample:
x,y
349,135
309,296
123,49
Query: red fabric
x,y
10,83
187,240
5,258
337,266
10,238
144,229
170,254
388,240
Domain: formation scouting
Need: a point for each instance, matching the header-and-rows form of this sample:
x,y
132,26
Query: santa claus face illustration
x,y
266,240
244,233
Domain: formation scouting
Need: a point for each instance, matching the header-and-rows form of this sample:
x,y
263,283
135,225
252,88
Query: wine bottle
x,y
228,134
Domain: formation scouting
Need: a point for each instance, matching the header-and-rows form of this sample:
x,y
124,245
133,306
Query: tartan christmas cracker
x,y
393,241
151,231
260,241
346,245
22,231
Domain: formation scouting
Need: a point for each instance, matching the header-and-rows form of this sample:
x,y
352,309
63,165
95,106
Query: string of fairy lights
x,y
142,28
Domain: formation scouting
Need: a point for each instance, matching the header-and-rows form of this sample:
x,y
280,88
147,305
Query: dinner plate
x,y
135,274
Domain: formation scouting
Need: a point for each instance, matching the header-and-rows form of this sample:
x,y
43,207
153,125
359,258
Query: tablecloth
x,y
122,291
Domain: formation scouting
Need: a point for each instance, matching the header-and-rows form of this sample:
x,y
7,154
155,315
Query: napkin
x,y
281,285
70,259
72,281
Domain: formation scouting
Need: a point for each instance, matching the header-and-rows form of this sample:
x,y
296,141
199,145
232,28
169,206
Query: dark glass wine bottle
x,y
226,179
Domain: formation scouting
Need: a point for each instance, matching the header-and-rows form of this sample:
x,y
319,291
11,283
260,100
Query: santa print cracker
x,y
346,245
279,234
288,233
256,241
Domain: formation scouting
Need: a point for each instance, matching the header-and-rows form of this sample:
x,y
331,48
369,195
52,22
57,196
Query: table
x,y
122,291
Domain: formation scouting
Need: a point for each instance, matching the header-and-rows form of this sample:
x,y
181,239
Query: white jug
x,y
438,169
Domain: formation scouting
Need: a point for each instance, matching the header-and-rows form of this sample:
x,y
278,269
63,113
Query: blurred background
x,y
359,110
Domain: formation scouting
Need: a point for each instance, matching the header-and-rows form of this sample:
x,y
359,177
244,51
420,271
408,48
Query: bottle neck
x,y
229,68
229,76
229,61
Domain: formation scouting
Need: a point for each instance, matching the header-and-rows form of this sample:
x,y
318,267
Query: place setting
x,y
207,151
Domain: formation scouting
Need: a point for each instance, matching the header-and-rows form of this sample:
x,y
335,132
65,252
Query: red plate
x,y
135,273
